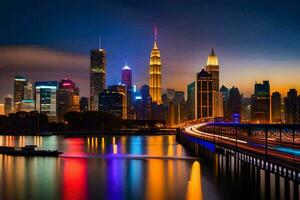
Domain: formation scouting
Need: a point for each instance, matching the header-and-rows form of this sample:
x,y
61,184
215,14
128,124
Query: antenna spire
x,y
155,33
100,42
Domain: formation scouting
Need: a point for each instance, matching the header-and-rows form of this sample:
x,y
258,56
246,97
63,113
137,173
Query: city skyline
x,y
149,99
259,54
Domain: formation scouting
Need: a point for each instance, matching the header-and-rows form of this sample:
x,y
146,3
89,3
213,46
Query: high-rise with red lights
x,y
67,98
127,81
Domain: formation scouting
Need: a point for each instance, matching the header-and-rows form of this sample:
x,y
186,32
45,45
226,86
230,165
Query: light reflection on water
x,y
134,167
116,167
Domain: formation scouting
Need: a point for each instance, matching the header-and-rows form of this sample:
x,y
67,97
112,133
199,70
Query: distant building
x,y
114,101
1,109
245,109
19,84
126,75
234,102
292,105
190,104
225,94
8,105
155,73
46,98
143,105
159,111
174,113
179,97
177,109
67,98
28,91
217,105
165,99
276,107
97,76
84,104
260,103
27,105
170,93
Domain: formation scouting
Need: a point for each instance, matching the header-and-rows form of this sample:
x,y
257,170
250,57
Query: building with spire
x,y
208,99
97,76
212,67
155,73
126,74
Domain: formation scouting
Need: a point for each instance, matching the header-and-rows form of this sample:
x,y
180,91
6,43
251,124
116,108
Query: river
x,y
120,167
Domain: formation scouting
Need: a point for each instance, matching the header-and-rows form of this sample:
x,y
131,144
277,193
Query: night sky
x,y
51,40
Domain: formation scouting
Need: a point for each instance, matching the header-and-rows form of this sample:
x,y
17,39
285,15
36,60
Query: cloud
x,y
36,56
39,63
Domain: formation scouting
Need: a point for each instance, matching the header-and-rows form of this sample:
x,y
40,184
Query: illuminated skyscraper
x,y
276,107
126,74
97,76
212,67
46,98
155,73
67,98
19,85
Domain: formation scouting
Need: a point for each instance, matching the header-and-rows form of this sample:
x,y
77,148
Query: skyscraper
x,y
143,105
97,76
19,85
225,94
67,98
114,101
191,101
260,103
276,107
212,67
126,74
204,95
234,102
28,91
46,98
155,73
291,107
177,109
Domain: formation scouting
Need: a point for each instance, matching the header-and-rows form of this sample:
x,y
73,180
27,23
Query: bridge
x,y
271,147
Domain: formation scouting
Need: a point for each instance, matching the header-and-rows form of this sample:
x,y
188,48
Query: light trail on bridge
x,y
252,145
